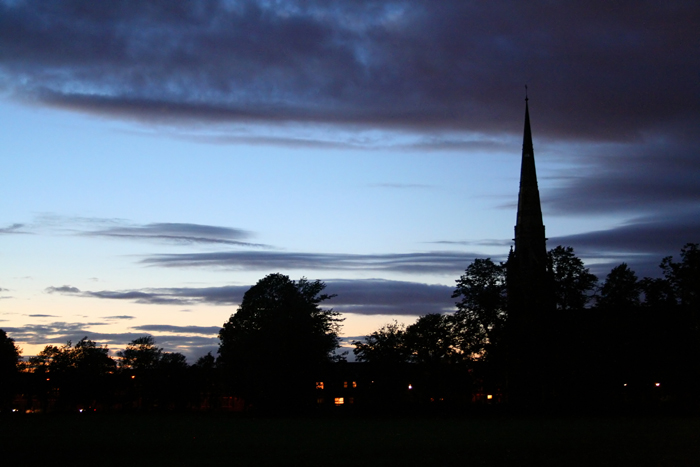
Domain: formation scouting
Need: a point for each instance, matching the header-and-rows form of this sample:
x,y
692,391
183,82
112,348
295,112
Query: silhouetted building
x,y
529,286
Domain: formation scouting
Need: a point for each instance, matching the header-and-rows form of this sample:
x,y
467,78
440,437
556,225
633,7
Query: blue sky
x,y
160,158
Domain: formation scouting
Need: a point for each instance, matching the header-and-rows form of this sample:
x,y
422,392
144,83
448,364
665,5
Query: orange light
x,y
133,376
339,400
489,397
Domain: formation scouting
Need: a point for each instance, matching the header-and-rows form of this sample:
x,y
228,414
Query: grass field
x,y
189,439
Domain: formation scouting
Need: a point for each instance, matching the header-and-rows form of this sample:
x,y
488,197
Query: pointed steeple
x,y
530,247
529,286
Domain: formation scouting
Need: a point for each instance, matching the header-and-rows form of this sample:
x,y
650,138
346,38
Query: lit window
x,y
339,400
345,384
319,400
489,397
354,384
319,384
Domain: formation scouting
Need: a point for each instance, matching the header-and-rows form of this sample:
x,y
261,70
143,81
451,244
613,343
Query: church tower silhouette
x,y
529,288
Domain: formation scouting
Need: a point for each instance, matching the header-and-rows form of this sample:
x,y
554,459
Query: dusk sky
x,y
159,158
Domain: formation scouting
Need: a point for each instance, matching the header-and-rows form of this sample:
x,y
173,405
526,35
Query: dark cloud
x,y
446,262
226,295
642,178
603,69
42,316
360,296
384,297
641,243
209,330
120,317
179,233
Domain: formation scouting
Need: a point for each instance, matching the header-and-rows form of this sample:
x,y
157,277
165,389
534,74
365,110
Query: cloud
x,y
179,233
58,333
42,316
66,290
226,295
394,64
445,262
208,330
640,178
13,229
641,242
119,317
359,296
385,297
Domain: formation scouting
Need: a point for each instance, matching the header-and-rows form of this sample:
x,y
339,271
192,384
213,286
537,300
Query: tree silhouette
x,y
278,317
684,280
385,346
431,339
86,358
9,359
621,289
140,354
482,309
572,280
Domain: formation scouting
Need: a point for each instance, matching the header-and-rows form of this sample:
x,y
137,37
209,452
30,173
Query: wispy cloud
x,y
13,229
178,233
360,296
447,263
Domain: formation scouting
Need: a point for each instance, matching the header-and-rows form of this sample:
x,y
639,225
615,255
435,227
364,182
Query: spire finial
x,y
526,93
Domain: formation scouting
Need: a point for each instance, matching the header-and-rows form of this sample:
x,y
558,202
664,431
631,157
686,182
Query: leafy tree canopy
x,y
9,354
387,346
482,309
140,354
86,358
278,333
573,282
621,289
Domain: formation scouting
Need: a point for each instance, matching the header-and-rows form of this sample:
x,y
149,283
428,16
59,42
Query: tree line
x,y
625,341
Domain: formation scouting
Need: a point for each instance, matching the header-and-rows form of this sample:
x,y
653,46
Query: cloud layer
x,y
410,63
360,296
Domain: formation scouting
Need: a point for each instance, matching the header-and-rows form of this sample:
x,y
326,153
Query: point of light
x,y
658,384
410,386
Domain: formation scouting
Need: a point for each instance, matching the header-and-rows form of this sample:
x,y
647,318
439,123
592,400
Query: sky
x,y
159,158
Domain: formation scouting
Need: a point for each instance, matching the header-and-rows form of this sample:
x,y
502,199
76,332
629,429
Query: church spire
x,y
530,238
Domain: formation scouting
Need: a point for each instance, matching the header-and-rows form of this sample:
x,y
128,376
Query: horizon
x,y
160,160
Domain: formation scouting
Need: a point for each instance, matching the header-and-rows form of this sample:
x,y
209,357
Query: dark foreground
x,y
117,439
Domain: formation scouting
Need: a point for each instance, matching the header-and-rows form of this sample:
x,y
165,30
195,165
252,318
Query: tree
x,y
140,354
277,339
431,339
9,359
386,346
86,358
572,281
684,278
9,354
482,311
621,289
